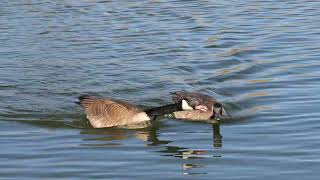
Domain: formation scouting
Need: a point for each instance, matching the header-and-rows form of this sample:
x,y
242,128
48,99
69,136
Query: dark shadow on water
x,y
146,134
149,135
116,137
216,135
191,164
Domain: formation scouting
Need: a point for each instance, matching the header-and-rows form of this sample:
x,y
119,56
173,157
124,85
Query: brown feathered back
x,y
198,97
109,113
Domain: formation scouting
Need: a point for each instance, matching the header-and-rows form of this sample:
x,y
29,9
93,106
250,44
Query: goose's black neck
x,y
163,110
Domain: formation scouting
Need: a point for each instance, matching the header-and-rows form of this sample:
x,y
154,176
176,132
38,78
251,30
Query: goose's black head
x,y
218,111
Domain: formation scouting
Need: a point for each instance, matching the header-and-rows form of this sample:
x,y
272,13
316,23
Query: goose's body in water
x,y
108,112
208,107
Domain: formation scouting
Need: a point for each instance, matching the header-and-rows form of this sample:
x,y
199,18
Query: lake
x,y
260,58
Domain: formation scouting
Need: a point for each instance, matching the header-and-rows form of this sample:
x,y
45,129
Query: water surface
x,y
260,58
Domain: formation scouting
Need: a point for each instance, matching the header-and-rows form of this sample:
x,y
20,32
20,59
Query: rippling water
x,y
261,58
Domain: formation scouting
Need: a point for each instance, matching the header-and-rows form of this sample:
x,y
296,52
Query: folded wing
x,y
107,112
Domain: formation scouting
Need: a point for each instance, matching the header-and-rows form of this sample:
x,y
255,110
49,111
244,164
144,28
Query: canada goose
x,y
207,107
109,112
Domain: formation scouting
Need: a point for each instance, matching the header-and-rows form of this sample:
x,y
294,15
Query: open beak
x,y
201,108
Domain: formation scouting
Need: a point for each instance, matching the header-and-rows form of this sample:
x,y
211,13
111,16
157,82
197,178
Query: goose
x,y
103,113
207,107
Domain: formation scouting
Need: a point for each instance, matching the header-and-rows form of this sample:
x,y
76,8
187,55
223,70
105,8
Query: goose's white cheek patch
x,y
185,105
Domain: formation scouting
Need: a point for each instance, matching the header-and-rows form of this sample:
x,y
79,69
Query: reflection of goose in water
x,y
191,159
209,108
114,136
150,136
216,135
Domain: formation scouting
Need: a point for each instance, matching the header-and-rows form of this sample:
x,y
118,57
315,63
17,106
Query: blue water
x,y
260,58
